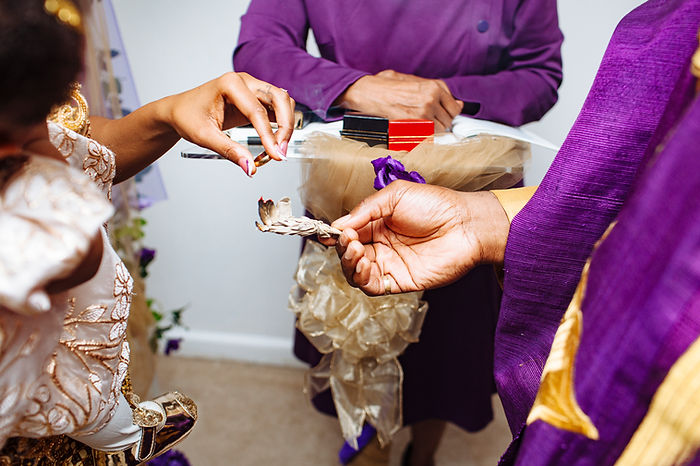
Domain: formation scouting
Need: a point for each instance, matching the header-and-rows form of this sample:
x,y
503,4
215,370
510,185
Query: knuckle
x,y
230,78
230,153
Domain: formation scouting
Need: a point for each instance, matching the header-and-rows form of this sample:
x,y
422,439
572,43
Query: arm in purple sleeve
x,y
272,47
527,86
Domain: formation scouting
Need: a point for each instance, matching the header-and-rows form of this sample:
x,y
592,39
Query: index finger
x,y
240,95
375,207
213,139
283,107
452,106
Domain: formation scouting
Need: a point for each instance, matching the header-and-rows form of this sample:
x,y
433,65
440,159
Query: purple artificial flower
x,y
170,458
388,169
146,255
173,344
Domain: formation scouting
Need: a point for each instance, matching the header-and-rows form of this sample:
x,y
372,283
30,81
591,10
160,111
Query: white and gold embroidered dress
x,y
63,357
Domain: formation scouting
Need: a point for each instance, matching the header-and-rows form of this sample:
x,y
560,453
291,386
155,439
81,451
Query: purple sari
x,y
637,96
641,310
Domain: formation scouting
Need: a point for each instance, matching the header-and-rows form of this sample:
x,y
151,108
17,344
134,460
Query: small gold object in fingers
x,y
262,159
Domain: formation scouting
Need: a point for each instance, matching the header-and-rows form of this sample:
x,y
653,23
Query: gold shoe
x,y
158,435
180,418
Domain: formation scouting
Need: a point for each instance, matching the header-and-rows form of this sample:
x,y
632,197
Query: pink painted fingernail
x,y
282,155
284,146
249,168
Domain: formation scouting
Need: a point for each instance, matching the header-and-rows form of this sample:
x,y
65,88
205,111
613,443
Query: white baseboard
x,y
260,349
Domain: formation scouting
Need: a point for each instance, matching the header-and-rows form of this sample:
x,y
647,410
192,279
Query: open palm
x,y
419,237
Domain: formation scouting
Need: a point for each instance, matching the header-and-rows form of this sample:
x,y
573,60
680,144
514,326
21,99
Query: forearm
x,y
484,222
486,218
137,139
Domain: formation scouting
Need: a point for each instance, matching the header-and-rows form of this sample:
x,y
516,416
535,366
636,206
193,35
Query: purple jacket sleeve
x,y
526,88
272,47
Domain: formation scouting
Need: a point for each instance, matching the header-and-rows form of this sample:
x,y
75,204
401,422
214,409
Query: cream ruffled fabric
x,y
361,338
339,173
60,370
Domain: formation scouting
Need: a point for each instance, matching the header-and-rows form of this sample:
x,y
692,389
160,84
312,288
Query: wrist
x,y
489,225
353,98
161,114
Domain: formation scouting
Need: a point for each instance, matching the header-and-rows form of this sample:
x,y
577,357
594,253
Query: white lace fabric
x,y
64,356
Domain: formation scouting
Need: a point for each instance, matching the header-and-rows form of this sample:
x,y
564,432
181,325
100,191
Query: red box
x,y
412,128
407,134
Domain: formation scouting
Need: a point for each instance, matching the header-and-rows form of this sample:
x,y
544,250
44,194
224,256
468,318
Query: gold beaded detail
x,y
142,417
73,117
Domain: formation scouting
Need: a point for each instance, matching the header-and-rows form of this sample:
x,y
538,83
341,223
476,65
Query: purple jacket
x,y
503,57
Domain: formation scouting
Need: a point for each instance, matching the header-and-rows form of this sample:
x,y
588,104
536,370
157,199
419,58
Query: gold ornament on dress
x,y
142,417
73,117
66,12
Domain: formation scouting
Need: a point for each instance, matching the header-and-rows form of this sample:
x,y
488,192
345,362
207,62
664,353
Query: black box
x,y
366,128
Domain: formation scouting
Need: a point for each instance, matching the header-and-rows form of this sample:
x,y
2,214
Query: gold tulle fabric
x,y
360,337
339,173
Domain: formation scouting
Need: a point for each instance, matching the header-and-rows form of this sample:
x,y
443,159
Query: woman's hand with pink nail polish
x,y
234,99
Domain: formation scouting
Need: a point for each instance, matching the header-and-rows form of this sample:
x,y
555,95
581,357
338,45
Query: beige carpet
x,y
255,415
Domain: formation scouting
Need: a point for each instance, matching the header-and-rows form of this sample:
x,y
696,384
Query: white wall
x,y
210,256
